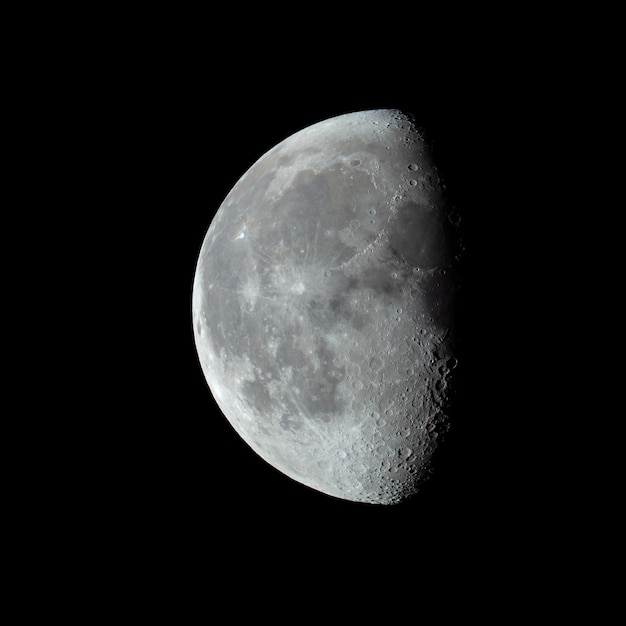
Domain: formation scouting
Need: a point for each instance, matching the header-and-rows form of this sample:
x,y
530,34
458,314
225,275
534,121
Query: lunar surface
x,y
323,306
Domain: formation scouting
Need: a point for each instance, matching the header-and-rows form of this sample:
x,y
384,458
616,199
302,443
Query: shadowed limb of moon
x,y
323,306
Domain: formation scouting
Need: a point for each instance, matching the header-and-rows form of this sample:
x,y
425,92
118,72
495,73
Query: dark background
x,y
133,494
195,135
166,124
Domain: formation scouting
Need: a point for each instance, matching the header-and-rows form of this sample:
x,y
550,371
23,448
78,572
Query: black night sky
x,y
203,144
179,126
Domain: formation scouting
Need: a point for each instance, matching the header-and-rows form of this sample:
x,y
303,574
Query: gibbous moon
x,y
323,306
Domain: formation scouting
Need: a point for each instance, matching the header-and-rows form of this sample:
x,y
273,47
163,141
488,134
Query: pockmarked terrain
x,y
323,306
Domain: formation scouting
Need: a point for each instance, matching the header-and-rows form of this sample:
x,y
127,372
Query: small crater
x,y
454,218
355,162
414,167
372,211
413,182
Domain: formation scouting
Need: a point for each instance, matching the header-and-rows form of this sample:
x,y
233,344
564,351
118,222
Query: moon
x,y
323,306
